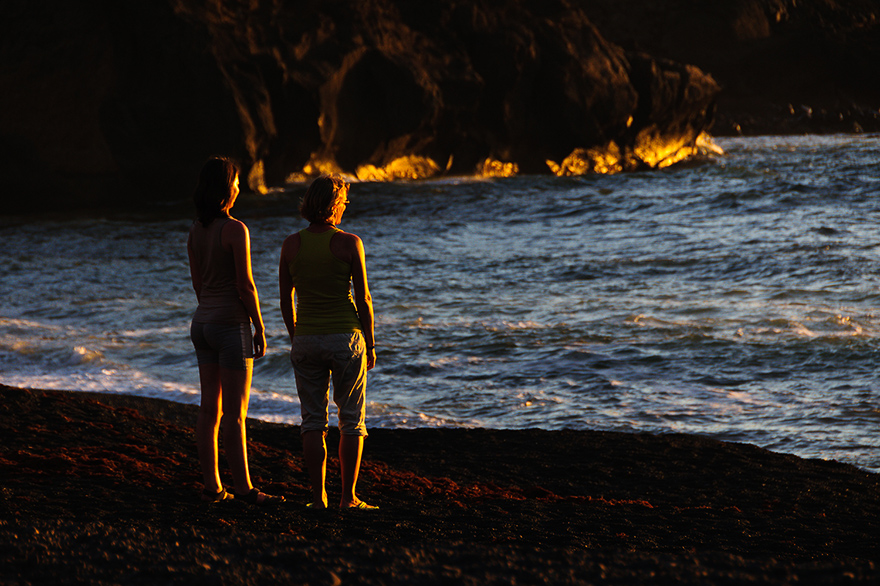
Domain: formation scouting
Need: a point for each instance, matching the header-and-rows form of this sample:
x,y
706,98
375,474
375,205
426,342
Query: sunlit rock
x,y
122,104
603,160
409,167
494,168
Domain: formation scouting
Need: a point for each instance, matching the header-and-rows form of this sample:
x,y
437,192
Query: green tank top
x,y
322,284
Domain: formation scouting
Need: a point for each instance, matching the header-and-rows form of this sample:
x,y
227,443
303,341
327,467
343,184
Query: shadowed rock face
x,y
115,102
784,66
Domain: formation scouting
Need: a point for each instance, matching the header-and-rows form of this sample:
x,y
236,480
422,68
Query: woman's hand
x,y
259,343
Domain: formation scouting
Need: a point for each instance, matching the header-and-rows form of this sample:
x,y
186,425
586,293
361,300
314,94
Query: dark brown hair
x,y
215,188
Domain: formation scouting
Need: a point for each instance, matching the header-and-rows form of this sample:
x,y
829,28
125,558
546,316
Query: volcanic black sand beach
x,y
104,489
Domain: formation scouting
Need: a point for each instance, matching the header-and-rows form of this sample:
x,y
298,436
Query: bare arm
x,y
195,271
235,237
285,284
362,300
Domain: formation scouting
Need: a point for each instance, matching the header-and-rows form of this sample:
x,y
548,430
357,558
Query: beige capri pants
x,y
318,359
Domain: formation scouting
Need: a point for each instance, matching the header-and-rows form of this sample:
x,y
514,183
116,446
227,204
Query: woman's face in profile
x,y
339,207
234,195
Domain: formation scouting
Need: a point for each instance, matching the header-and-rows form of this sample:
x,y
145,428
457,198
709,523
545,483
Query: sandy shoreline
x,y
104,489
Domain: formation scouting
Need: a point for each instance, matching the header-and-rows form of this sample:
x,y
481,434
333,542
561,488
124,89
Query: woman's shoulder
x,y
233,225
345,246
233,233
347,238
197,230
291,240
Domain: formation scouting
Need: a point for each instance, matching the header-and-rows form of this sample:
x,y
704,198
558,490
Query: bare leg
x,y
351,448
208,425
315,453
236,386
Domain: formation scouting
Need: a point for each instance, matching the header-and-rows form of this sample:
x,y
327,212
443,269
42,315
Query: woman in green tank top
x,y
328,311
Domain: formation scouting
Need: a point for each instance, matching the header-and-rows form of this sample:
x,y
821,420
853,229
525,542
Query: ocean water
x,y
735,298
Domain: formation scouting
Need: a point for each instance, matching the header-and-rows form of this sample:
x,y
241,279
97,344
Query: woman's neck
x,y
321,226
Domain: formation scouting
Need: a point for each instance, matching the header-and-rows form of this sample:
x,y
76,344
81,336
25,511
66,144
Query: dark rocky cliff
x,y
784,66
118,102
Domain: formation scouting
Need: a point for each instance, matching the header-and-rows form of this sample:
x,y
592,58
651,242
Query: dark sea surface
x,y
736,298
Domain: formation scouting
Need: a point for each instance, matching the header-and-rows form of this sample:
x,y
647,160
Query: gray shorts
x,y
229,345
340,357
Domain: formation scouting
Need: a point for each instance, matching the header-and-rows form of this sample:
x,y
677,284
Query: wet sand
x,y
104,489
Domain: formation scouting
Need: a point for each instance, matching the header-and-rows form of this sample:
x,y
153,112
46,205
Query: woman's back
x,y
219,300
323,287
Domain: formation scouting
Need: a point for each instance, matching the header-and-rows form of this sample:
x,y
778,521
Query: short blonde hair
x,y
317,204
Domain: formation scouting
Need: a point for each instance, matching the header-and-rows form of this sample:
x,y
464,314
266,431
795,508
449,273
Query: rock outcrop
x,y
119,102
784,66
107,102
